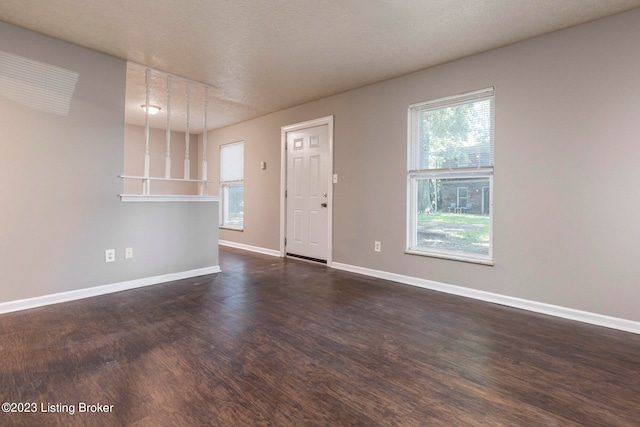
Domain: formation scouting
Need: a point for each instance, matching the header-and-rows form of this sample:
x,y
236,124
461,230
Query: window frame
x,y
225,184
414,175
458,197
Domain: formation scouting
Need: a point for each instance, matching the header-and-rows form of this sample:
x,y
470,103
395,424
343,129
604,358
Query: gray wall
x,y
566,169
58,182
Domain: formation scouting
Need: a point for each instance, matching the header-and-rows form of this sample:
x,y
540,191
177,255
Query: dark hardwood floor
x,y
272,342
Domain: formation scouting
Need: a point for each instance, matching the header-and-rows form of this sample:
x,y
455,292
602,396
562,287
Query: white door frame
x,y
328,120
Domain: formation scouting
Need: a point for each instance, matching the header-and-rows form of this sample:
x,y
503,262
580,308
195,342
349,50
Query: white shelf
x,y
166,198
150,178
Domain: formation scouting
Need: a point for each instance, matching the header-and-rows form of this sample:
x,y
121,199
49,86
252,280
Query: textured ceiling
x,y
262,56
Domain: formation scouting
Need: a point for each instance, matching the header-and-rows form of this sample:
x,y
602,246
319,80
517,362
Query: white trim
x,y
167,198
24,304
328,120
231,227
461,98
450,255
249,248
534,306
283,189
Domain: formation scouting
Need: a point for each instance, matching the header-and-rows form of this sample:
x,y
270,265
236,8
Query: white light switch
x,y
128,253
335,178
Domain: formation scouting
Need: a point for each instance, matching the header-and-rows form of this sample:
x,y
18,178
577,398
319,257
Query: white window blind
x,y
232,162
453,132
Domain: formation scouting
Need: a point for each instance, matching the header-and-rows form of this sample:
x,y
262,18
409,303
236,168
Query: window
x,y
450,177
232,185
462,196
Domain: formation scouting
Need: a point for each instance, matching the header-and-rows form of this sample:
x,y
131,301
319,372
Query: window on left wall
x,y
232,185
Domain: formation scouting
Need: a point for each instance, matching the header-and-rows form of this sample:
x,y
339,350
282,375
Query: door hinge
x,y
285,193
285,241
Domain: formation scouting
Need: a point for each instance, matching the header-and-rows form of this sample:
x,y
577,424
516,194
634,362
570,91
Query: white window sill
x,y
166,198
231,227
453,257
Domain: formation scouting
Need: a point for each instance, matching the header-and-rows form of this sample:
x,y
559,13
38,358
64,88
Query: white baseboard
x,y
250,248
538,307
24,304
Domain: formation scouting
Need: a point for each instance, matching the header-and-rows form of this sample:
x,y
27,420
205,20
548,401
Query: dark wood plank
x,y
272,342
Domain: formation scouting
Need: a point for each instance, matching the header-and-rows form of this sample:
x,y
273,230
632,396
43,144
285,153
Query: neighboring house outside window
x,y
450,177
232,185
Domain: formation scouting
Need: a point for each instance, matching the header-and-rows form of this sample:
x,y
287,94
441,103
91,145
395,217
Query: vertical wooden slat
x,y
146,186
204,186
187,162
167,161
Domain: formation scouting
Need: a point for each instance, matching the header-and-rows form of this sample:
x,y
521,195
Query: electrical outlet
x,y
376,246
128,253
110,255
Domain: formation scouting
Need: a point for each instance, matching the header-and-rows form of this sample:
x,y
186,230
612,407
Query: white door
x,y
307,192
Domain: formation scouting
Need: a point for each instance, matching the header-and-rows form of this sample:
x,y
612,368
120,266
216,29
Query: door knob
x,y
324,205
